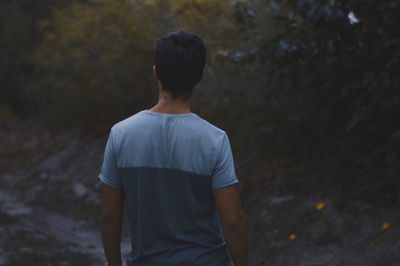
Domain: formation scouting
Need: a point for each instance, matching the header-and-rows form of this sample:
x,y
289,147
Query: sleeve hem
x,y
226,183
107,182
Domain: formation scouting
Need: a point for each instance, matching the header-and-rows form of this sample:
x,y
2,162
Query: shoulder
x,y
209,126
210,130
127,123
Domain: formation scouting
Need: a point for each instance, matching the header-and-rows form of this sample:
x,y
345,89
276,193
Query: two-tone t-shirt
x,y
167,166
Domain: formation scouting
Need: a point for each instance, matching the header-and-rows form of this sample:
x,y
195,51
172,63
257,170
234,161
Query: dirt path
x,y
49,204
41,223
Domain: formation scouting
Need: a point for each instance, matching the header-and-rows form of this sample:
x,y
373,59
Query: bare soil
x,y
49,207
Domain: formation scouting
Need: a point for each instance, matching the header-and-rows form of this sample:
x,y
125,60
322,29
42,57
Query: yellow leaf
x,y
292,237
385,225
319,206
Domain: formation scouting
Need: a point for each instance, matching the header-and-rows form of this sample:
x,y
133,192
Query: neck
x,y
167,104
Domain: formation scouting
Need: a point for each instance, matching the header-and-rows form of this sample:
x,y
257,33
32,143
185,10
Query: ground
x,y
49,210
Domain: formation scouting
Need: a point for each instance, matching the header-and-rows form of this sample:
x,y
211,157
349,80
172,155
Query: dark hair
x,y
179,59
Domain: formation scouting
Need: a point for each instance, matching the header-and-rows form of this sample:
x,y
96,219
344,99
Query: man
x,y
175,173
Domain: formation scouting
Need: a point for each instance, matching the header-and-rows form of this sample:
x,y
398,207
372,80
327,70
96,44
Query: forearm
x,y
236,238
111,237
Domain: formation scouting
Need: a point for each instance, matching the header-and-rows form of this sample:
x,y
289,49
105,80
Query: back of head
x,y
179,60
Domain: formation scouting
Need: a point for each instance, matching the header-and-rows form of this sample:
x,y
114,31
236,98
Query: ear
x,y
155,73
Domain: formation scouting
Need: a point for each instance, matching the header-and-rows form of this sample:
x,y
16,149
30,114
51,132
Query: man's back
x,y
168,166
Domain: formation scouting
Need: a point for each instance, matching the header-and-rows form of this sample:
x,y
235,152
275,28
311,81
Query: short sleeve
x,y
224,172
108,173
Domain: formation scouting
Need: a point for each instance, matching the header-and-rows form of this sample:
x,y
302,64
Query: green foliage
x,y
18,39
313,84
332,89
14,50
95,62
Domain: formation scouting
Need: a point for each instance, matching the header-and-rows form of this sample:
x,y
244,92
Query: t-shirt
x,y
167,166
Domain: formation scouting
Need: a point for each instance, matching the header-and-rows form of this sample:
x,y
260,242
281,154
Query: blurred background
x,y
307,91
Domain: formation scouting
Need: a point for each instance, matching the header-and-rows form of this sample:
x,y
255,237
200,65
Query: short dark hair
x,y
179,59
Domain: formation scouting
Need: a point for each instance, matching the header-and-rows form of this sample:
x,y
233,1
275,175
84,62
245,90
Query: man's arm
x,y
111,223
233,223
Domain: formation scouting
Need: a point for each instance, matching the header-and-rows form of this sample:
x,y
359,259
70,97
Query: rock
x,y
277,200
79,189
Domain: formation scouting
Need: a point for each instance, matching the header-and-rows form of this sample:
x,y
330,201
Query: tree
x,y
95,61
